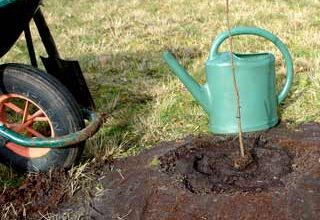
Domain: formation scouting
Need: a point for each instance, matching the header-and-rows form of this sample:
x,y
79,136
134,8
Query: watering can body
x,y
256,82
255,79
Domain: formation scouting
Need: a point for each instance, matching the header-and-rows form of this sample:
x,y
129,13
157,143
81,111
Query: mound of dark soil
x,y
208,166
193,178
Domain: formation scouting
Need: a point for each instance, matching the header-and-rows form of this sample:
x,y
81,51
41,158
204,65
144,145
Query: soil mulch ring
x,y
194,178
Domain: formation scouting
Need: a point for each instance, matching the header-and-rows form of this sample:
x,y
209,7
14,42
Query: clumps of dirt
x,y
194,178
207,166
190,178
38,195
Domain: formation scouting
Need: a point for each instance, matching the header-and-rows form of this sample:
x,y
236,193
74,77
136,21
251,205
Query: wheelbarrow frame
x,y
67,72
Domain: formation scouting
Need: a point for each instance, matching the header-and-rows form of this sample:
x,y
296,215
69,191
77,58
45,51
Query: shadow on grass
x,y
123,86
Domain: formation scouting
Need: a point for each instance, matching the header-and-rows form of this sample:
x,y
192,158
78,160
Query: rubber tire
x,y
58,104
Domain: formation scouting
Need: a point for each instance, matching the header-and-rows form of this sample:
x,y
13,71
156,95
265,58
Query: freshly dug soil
x,y
208,166
193,178
190,178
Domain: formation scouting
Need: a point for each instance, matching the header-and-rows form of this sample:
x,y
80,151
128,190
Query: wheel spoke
x,y
34,132
40,119
14,127
23,116
25,112
13,107
19,127
35,115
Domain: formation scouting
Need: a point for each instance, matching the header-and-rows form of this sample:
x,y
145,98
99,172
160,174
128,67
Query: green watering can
x,y
256,80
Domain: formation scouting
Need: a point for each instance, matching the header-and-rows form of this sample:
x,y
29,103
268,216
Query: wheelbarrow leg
x,y
31,51
66,71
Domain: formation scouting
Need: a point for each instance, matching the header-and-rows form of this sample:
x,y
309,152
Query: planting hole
x,y
206,166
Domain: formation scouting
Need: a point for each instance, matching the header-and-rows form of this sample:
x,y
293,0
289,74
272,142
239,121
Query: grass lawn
x,y
119,45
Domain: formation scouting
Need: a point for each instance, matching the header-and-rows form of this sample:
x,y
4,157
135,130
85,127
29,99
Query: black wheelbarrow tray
x,y
43,114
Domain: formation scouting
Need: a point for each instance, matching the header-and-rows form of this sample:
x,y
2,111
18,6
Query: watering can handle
x,y
267,35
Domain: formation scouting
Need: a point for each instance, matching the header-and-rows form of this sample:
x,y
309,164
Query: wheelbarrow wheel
x,y
35,104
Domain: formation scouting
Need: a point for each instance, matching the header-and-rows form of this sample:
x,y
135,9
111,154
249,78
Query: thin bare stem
x,y
235,82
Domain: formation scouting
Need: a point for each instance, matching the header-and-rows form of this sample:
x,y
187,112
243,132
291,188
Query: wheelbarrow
x,y
45,115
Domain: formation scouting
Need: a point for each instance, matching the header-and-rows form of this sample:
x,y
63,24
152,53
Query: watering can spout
x,y
198,92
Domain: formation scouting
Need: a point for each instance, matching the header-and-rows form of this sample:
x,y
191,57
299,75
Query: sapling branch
x,y
236,89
